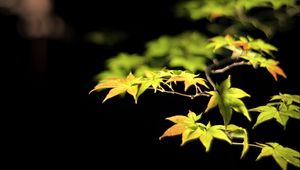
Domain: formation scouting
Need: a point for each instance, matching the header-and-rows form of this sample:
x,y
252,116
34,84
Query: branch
x,y
209,69
191,96
222,70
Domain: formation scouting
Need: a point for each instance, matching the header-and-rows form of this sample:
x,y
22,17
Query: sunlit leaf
x,y
239,132
213,132
175,130
185,126
287,98
189,79
191,134
281,111
152,79
228,98
273,68
119,86
282,155
213,101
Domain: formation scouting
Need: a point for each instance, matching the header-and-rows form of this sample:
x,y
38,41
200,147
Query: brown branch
x,y
191,96
222,70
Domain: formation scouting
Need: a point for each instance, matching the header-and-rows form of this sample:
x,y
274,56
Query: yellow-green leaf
x,y
239,132
213,101
216,132
119,86
189,79
206,139
191,134
282,155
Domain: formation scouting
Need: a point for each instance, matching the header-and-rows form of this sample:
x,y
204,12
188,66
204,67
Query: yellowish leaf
x,y
213,101
175,130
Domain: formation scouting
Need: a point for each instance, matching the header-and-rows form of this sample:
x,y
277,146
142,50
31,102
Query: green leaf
x,y
119,86
228,98
265,151
239,132
206,139
282,155
191,134
281,111
211,132
260,45
218,132
189,79
267,113
185,126
287,98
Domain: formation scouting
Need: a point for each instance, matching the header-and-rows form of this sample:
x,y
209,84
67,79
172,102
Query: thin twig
x,y
222,70
207,74
191,96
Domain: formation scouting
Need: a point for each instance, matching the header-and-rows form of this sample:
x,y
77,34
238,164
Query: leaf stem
x,y
250,144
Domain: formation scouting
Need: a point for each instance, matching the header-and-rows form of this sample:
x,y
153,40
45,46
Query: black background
x,y
53,122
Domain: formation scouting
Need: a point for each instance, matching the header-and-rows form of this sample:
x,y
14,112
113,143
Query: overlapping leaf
x,y
282,155
281,111
217,131
189,79
185,126
239,132
119,86
190,129
228,98
213,9
287,98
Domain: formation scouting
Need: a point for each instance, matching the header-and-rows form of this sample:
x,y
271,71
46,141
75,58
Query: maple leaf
x,y
185,125
188,79
228,99
287,98
271,65
211,132
239,132
119,86
220,41
273,68
152,79
282,155
281,112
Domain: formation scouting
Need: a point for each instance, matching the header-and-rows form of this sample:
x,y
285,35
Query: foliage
x,y
270,15
190,58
